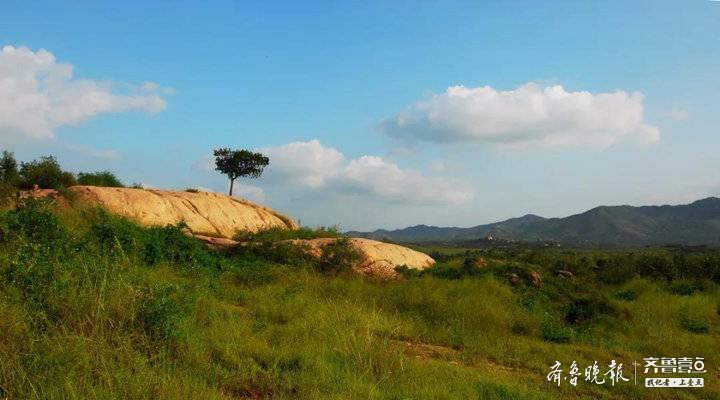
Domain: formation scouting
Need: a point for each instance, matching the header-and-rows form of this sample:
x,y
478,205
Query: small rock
x,y
565,274
476,262
535,278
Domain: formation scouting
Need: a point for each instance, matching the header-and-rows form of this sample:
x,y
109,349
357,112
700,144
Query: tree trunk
x,y
232,181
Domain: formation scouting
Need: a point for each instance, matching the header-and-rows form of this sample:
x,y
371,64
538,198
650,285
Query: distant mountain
x,y
692,224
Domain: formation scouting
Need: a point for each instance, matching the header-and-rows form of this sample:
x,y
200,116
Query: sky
x,y
376,114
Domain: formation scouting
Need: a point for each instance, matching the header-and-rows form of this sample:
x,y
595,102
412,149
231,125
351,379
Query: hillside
x,y
697,223
94,306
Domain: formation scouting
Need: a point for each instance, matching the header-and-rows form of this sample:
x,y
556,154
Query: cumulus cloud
x,y
39,94
307,164
312,165
529,116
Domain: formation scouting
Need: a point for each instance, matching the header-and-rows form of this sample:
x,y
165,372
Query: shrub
x,y
615,270
584,310
693,323
8,192
684,288
338,256
34,221
280,234
46,173
114,234
8,168
626,294
160,311
100,178
554,332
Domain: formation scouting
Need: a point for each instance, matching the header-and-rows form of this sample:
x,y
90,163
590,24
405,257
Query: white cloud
x,y
312,165
307,164
39,94
530,116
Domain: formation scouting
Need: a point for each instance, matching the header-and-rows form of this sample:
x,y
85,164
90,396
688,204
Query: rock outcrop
x,y
379,259
216,218
205,213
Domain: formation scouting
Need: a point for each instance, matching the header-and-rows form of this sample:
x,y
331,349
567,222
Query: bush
x,y
34,221
100,178
692,323
8,193
684,288
46,173
161,310
280,234
338,256
626,294
8,169
584,310
151,246
554,332
615,270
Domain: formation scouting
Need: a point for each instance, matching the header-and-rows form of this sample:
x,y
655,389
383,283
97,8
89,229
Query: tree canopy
x,y
8,168
99,178
46,173
239,163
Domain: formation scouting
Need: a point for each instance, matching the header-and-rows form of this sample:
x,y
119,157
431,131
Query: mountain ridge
x,y
696,223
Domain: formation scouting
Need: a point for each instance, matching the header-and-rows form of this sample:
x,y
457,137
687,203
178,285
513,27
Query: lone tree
x,y
239,163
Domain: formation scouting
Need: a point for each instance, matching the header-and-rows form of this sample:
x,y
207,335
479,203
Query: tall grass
x,y
93,306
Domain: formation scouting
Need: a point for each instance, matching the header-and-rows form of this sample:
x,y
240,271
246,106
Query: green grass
x,y
92,306
280,234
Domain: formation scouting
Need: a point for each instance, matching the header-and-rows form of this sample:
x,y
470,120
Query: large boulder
x,y
205,213
378,259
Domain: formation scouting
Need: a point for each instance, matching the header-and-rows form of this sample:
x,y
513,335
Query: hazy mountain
x,y
697,223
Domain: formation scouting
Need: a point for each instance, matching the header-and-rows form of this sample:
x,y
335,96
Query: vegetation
x,y
100,178
279,234
46,173
239,163
8,168
93,306
601,227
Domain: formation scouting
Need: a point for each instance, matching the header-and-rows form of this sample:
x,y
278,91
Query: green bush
x,y
34,222
280,234
8,168
552,331
626,294
45,172
8,193
684,288
338,256
100,178
151,246
161,310
694,323
585,310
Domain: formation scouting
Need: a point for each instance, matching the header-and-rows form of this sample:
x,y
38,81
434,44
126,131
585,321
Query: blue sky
x,y
352,102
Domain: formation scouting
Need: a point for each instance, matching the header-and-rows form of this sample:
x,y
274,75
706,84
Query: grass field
x,y
92,306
